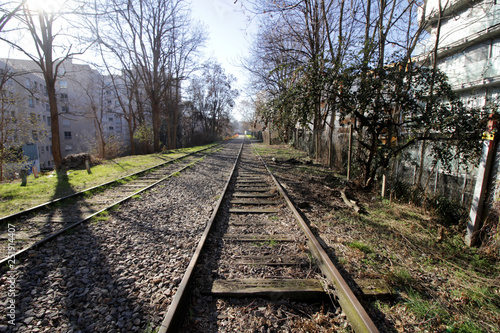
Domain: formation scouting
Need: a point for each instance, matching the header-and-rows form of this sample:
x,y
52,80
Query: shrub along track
x,y
119,272
38,224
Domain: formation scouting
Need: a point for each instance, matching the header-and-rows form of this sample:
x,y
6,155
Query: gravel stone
x,y
111,272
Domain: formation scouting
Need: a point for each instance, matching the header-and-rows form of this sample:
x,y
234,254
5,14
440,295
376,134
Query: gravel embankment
x,y
118,274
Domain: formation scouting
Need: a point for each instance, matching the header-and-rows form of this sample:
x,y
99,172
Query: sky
x,y
230,31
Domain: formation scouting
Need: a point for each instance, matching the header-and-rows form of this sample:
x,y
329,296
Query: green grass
x,y
101,217
361,246
50,186
426,310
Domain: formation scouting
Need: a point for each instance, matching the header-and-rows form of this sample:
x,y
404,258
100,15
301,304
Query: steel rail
x,y
121,200
42,205
356,314
176,312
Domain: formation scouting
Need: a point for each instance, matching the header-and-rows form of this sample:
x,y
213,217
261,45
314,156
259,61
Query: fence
x,y
457,186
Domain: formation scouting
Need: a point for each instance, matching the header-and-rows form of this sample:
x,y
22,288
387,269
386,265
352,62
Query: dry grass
x,y
438,283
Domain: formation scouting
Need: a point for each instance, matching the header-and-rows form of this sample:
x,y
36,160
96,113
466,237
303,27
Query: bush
x,y
77,161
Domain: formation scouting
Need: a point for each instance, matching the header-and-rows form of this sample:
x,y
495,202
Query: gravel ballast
x,y
119,272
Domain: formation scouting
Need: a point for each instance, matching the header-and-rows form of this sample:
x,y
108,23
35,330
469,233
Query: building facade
x,y
88,110
468,46
468,51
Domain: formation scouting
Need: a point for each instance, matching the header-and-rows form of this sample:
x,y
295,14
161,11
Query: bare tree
x,y
8,10
212,96
45,28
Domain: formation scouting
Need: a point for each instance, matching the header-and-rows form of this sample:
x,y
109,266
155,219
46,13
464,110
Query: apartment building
x,y
468,46
468,51
87,106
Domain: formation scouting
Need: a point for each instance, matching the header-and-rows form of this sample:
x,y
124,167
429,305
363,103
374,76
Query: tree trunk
x,y
54,123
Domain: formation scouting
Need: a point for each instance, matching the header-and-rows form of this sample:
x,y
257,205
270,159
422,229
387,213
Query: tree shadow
x,y
67,283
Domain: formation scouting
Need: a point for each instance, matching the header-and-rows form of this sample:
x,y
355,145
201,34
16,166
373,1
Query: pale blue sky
x,y
228,31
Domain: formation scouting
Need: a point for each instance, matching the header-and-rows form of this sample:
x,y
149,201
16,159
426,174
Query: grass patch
x,y
360,246
50,186
101,217
425,310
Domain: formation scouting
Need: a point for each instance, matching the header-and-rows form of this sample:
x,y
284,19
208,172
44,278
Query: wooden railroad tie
x,y
270,260
253,189
299,289
259,238
253,195
253,210
253,202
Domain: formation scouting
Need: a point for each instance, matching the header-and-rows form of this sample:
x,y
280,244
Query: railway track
x,y
39,224
256,246
252,270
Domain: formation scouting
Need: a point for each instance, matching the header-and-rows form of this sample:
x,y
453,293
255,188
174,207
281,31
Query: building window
x,y
31,103
111,128
63,84
34,134
47,148
66,123
48,121
42,150
28,84
475,53
47,107
65,108
32,118
110,119
64,97
67,135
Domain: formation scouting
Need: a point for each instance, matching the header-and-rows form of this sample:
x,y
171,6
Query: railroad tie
x,y
276,288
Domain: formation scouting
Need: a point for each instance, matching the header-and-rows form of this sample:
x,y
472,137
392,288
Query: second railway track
x,y
45,221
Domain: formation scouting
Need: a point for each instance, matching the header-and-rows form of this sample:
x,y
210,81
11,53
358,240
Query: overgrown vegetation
x,y
438,284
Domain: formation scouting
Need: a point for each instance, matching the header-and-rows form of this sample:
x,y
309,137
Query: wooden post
x,y
349,155
24,176
384,184
480,190
87,166
462,199
436,181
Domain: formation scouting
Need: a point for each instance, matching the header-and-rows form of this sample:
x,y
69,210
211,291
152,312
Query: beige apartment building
x,y
86,101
